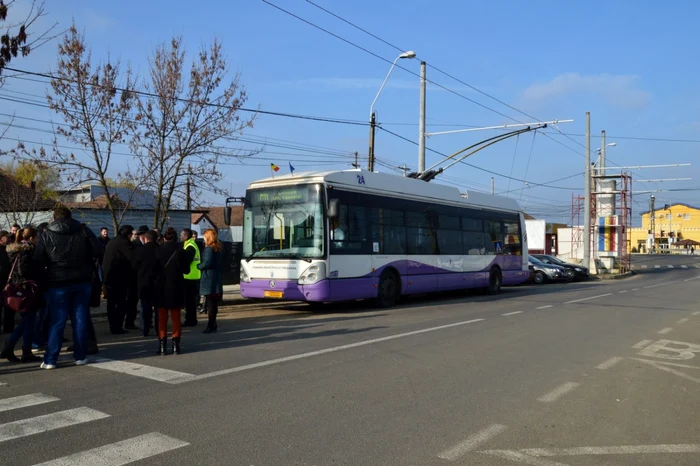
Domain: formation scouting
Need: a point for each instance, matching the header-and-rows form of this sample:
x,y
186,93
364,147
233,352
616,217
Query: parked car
x,y
580,272
548,272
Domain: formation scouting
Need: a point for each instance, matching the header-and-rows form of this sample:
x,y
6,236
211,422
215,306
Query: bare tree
x,y
187,113
95,104
18,37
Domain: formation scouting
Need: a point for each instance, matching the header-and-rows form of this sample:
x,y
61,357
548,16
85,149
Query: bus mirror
x,y
227,215
333,208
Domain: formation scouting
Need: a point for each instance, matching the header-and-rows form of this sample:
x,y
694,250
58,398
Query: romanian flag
x,y
274,167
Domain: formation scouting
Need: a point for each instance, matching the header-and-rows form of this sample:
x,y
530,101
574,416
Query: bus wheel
x,y
495,281
388,289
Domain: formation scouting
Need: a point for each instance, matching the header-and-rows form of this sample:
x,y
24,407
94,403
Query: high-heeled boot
x,y
176,345
8,353
162,347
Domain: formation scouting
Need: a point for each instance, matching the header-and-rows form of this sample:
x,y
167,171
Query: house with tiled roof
x,y
24,205
213,217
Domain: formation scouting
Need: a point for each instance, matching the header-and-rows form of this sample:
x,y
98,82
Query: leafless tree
x,y
18,36
95,104
186,115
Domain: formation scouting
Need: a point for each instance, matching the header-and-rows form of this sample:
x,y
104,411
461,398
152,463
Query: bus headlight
x,y
313,274
244,275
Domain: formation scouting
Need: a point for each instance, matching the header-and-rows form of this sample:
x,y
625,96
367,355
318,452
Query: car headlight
x,y
578,269
244,276
313,274
549,269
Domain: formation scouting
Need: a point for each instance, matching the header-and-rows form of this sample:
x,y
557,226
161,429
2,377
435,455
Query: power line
x,y
474,166
209,104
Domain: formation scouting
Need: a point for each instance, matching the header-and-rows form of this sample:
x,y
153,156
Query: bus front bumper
x,y
287,290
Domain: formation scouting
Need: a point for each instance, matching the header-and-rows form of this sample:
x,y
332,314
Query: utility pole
x,y
493,187
404,167
652,224
372,126
587,198
188,197
602,149
356,165
421,125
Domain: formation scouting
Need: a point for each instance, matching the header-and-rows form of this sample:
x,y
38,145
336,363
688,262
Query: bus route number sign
x,y
498,247
360,179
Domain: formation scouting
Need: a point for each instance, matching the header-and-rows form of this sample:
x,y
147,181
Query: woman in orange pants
x,y
168,293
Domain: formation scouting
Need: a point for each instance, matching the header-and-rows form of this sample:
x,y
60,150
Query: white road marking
x,y
657,266
323,351
691,279
696,313
668,349
589,298
662,367
664,331
522,458
619,450
644,266
558,392
472,442
682,321
609,363
658,284
39,424
622,291
684,266
141,370
642,344
512,313
697,266
670,266
121,453
25,401
635,289
2,383
545,307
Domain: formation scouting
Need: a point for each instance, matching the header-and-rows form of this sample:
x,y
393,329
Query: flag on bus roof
x,y
291,169
274,167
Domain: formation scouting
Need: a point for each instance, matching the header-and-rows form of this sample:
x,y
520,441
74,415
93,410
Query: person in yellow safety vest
x,y
193,258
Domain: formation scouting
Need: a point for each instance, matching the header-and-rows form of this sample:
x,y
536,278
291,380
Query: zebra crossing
x,y
669,266
115,454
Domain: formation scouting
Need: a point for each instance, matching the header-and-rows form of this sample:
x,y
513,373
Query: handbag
x,y
20,297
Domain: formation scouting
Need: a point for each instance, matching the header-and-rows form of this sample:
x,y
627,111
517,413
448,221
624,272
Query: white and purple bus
x,y
353,234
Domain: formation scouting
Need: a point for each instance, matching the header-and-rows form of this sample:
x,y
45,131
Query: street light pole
x,y
421,124
373,116
587,197
652,225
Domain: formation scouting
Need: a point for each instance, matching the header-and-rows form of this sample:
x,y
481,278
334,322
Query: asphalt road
x,y
602,372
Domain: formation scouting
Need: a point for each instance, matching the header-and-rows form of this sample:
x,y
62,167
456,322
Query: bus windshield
x,y
284,222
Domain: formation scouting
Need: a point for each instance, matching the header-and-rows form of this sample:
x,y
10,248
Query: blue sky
x,y
634,69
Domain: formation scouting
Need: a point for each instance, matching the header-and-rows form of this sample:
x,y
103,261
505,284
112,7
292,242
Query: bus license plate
x,y
273,294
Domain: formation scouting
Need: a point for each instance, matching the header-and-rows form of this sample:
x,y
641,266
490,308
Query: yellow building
x,y
682,221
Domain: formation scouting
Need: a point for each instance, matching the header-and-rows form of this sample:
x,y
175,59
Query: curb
x,y
616,276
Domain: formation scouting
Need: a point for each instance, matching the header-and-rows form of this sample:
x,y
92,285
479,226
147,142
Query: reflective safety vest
x,y
195,273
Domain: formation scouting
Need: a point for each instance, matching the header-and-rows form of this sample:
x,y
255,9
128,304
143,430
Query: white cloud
x,y
618,90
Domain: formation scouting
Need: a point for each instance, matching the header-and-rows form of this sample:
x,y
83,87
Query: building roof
x,y
16,197
660,209
216,216
199,216
99,203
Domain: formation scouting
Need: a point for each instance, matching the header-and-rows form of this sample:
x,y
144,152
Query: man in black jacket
x,y
118,276
68,252
145,266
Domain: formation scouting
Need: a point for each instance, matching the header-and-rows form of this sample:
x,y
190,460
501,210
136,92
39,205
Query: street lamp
x,y
372,116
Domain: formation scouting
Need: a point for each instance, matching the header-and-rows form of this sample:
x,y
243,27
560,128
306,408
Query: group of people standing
x,y
68,262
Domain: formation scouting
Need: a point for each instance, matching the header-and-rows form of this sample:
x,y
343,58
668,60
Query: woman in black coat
x,y
168,292
21,254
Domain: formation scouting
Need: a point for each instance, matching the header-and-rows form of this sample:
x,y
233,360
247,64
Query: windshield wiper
x,y
297,256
